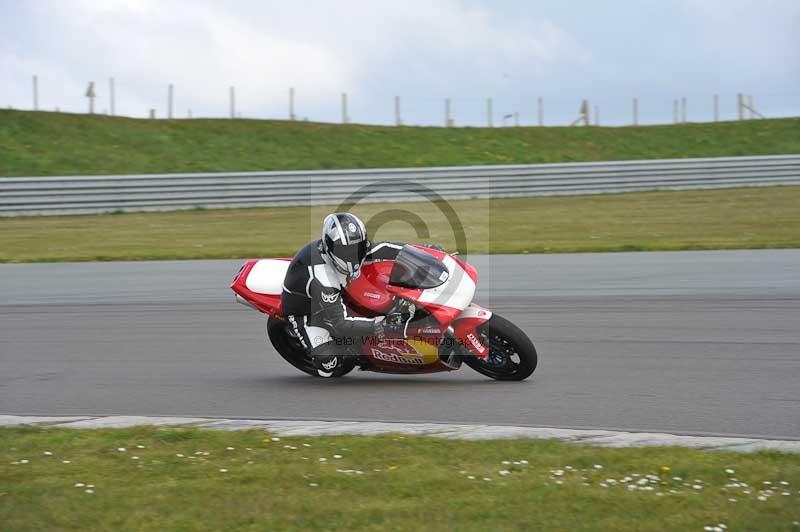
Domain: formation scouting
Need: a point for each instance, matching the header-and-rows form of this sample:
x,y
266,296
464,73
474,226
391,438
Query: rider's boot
x,y
326,362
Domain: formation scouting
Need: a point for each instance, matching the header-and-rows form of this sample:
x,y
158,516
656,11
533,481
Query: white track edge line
x,y
603,438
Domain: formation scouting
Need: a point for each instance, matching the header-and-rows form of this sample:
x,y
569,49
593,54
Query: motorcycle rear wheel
x,y
293,352
512,356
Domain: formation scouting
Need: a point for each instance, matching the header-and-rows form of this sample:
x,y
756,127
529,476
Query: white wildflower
x,y
89,491
179,455
523,462
323,459
762,498
313,485
65,462
471,477
79,484
337,456
275,439
598,466
140,446
223,470
48,453
730,471
23,461
229,449
121,449
487,479
134,457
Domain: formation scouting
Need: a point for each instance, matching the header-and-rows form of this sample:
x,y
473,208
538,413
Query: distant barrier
x,y
20,196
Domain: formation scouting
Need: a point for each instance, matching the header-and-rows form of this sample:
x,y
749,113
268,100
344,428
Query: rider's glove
x,y
396,322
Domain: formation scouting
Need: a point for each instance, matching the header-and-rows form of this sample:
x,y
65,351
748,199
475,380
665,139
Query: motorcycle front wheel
x,y
512,356
290,348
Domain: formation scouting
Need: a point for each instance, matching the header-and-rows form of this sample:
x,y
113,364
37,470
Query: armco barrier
x,y
95,194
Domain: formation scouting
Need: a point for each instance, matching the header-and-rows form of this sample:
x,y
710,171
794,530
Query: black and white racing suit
x,y
312,300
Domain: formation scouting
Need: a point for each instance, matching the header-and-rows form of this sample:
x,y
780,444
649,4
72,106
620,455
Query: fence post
x,y
683,110
447,120
291,103
596,115
398,121
345,118
489,122
112,97
35,92
516,119
750,105
740,105
540,114
232,95
169,102
636,111
91,95
716,108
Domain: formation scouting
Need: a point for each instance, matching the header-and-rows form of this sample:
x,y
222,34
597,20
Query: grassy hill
x,y
43,143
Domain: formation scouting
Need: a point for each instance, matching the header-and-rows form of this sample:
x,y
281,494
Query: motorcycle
x,y
445,327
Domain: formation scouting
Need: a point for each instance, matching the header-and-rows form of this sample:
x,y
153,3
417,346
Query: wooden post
x,y
189,113
674,111
112,97
586,113
398,120
683,110
169,102
516,119
540,113
35,93
596,115
232,96
636,111
447,120
291,104
716,108
489,122
345,118
750,105
152,113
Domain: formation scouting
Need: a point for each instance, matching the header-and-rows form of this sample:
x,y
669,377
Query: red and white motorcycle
x,y
447,327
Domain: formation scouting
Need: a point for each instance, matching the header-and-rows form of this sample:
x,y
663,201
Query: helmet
x,y
344,242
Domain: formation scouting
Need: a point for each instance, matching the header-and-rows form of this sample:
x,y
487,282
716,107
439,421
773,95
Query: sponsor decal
x,y
330,364
443,277
352,227
476,343
430,331
398,359
372,295
397,351
330,298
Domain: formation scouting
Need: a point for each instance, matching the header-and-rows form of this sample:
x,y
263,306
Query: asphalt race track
x,y
682,342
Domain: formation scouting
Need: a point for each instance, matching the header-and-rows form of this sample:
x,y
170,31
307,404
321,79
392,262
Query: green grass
x,y
746,218
39,143
407,483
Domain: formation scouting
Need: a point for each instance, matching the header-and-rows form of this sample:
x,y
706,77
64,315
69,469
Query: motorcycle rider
x,y
312,291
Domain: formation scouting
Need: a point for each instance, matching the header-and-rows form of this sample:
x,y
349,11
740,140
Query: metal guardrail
x,y
96,194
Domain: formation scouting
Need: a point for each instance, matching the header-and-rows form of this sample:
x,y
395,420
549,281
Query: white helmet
x,y
344,242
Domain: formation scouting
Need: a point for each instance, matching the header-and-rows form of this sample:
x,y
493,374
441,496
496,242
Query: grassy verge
x,y
186,479
712,219
38,143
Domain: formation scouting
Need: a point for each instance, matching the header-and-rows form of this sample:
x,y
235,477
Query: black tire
x,y
512,356
293,352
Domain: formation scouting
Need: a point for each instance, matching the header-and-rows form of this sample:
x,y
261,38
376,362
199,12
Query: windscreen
x,y
414,268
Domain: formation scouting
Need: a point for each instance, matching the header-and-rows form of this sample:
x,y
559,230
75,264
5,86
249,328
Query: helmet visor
x,y
348,257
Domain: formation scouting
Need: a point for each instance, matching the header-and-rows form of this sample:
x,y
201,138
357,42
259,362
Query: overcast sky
x,y
421,50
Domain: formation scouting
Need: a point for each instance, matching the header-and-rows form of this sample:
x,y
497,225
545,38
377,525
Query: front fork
x,y
465,329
